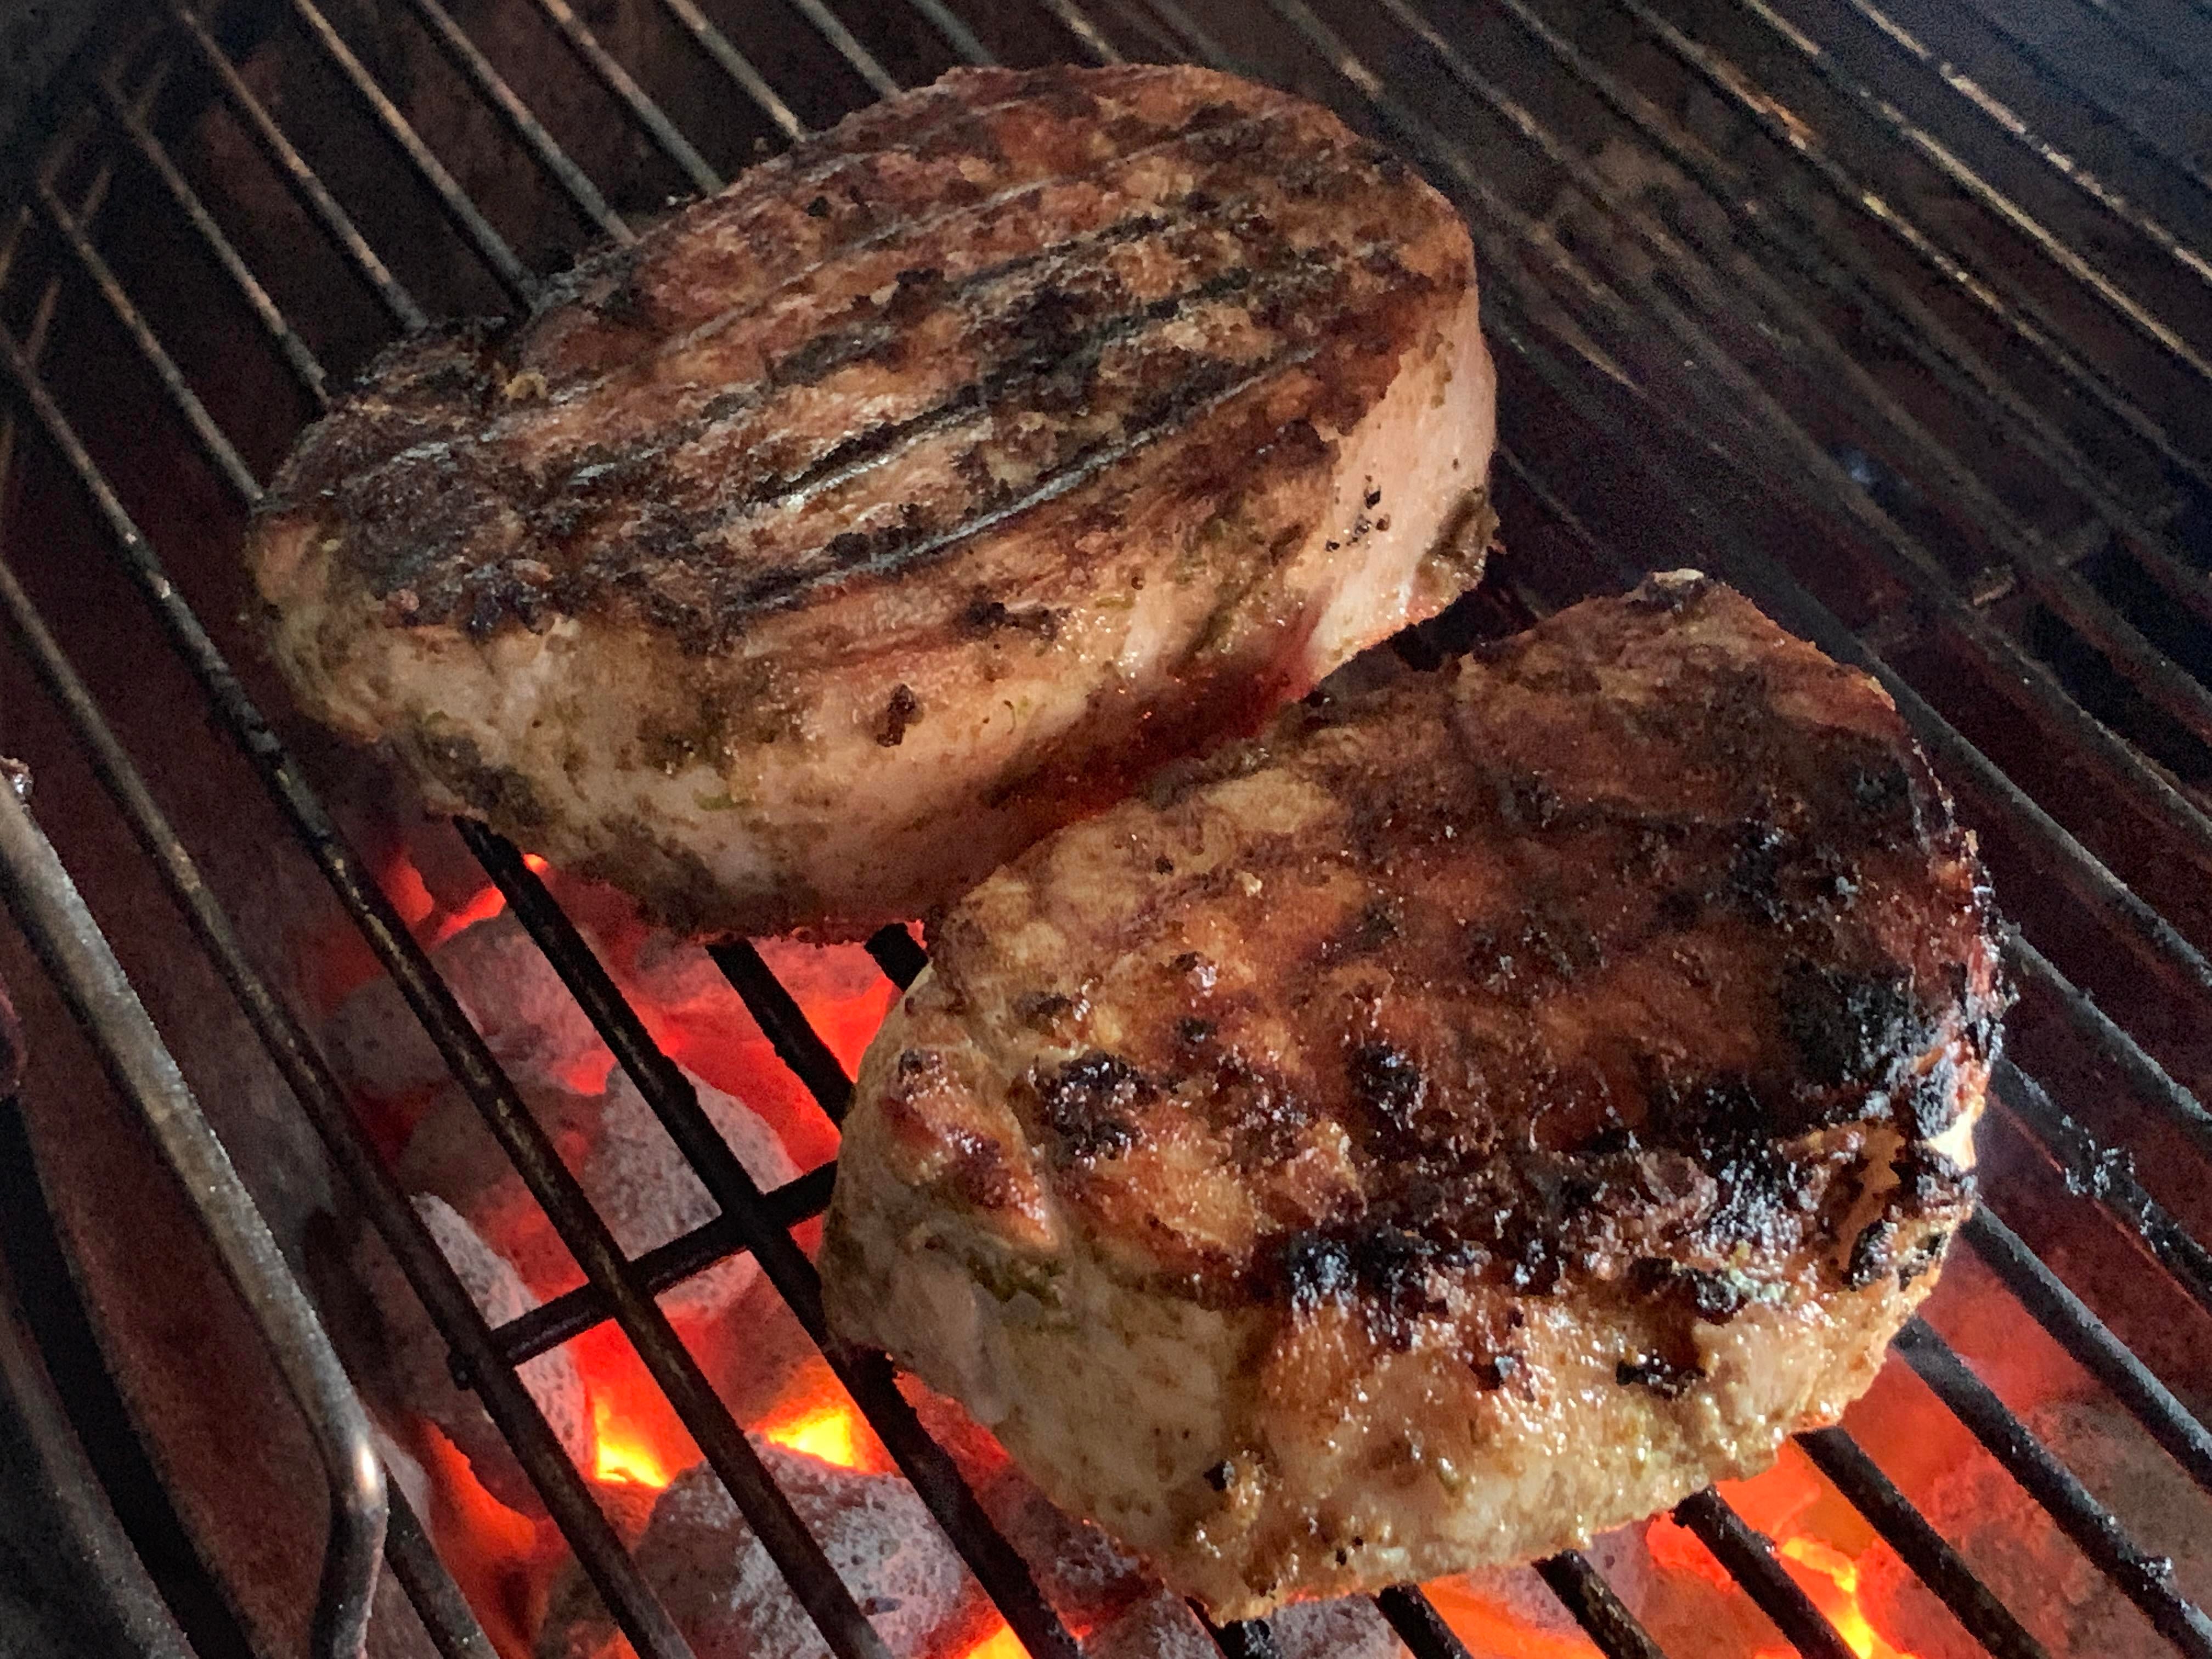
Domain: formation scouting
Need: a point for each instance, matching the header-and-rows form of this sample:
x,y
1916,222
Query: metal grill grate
x,y
1911,296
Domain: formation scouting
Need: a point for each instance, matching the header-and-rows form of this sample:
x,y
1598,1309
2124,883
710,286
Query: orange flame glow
x,y
1489,1627
828,1427
1816,1538
1831,1579
620,1453
1001,1643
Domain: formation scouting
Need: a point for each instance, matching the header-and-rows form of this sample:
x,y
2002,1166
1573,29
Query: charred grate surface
x,y
1897,316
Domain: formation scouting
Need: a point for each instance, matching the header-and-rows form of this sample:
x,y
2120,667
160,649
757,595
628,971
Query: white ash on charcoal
x,y
404,1362
730,1600
633,1175
1101,1590
510,993
2016,1548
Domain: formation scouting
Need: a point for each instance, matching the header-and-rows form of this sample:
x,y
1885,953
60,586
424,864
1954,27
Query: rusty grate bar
x,y
1919,1545
867,1378
490,86
298,176
453,202
649,116
582,1229
662,1268
2147,1580
1749,1557
2083,1335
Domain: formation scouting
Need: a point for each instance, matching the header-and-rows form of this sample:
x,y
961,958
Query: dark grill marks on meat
x,y
704,498
1645,975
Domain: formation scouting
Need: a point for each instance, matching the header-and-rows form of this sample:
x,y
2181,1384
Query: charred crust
x,y
1090,1104
1316,1269
501,796
1388,1083
1872,1253
1494,1372
1706,1296
1851,1028
1663,1378
901,712
1220,1476
984,617
632,535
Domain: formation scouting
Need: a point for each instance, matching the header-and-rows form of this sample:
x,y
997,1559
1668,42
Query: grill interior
x,y
1900,321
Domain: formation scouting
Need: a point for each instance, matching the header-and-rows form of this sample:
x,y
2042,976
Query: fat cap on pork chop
x,y
1477,1112
924,490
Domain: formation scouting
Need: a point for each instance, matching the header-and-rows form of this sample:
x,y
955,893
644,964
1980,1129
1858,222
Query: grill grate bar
x,y
2173,1247
306,188
298,358
2129,26
2019,315
1821,470
447,1618
867,1378
825,23
221,456
1196,41
1078,22
1749,1557
1419,1625
649,116
2053,247
1767,224
1600,1613
897,955
2083,1335
2152,1080
786,1026
2146,1580
478,69
579,1225
452,201
78,960
448,1303
549,1324
1785,599
2070,1147
735,65
2162,680
2107,1175
956,34
1919,1545
1245,1639
2066,167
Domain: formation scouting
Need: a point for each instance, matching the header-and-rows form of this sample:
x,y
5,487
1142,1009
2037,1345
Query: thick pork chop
x,y
920,492
1477,1112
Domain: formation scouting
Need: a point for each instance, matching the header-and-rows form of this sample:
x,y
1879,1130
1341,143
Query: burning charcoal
x,y
1096,1585
1160,1626
409,1362
510,993
727,1596
627,1166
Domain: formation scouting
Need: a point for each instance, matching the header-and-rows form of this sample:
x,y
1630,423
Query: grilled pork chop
x,y
1477,1112
926,488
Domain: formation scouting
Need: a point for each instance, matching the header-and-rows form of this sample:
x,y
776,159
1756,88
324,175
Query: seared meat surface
x,y
923,490
1477,1112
